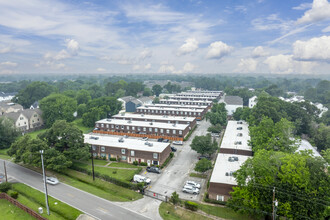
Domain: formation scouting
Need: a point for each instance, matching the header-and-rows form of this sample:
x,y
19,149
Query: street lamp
x,y
92,162
44,177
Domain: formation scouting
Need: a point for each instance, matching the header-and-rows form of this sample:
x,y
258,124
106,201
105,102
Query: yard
x,y
169,212
11,212
84,129
4,155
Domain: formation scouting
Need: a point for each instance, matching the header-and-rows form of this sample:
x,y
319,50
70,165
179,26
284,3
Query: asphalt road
x,y
175,175
92,205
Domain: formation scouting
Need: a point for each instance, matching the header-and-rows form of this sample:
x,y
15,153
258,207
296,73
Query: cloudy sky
x,y
172,36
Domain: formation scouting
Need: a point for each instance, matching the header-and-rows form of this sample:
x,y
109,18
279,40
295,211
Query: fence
x,y
23,207
139,135
155,195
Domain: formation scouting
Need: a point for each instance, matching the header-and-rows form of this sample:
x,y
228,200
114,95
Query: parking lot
x,y
174,176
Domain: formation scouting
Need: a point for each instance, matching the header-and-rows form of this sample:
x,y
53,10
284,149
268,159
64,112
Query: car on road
x,y
190,189
166,140
204,157
178,142
160,139
173,149
140,179
193,184
153,169
145,138
52,180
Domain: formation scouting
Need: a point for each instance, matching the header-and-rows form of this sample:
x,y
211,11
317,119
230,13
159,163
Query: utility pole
x,y
274,204
4,165
92,163
44,177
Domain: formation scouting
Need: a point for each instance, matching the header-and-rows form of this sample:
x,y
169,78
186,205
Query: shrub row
x,y
191,205
167,160
13,194
110,179
190,132
207,199
4,187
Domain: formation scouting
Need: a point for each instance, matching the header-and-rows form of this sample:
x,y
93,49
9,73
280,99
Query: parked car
x,y
215,134
52,180
178,142
173,149
166,140
153,169
145,138
140,179
160,139
193,184
190,189
204,156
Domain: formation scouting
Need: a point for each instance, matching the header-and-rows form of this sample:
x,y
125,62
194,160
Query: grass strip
x,y
198,175
222,212
62,209
169,212
11,212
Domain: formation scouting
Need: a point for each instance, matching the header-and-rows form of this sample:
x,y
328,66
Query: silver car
x,y
190,189
193,184
52,180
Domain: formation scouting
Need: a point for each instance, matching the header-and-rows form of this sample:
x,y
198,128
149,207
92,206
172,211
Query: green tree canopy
x,y
302,187
203,165
33,92
204,144
218,114
83,97
8,132
57,107
157,89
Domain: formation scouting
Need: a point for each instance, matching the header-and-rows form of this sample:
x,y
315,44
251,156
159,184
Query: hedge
x,y
4,187
191,205
167,160
189,134
107,178
13,194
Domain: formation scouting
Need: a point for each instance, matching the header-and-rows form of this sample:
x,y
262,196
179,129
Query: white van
x,y
140,179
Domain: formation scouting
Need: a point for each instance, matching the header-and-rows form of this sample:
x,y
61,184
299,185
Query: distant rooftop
x,y
155,117
191,101
169,108
176,106
233,100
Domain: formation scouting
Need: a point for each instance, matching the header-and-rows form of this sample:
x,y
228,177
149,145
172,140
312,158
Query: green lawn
x,y
34,199
34,134
11,212
84,129
124,165
122,174
98,162
198,175
222,212
4,155
168,212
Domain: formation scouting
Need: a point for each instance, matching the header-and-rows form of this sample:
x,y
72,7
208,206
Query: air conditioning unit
x,y
146,143
108,119
151,123
227,174
142,115
150,144
121,139
174,125
129,121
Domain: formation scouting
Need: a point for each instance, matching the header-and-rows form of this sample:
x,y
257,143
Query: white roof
x,y
305,145
231,137
169,108
143,124
198,95
191,97
222,165
129,143
176,106
193,101
155,117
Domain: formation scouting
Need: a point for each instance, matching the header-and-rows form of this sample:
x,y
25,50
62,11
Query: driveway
x,y
173,177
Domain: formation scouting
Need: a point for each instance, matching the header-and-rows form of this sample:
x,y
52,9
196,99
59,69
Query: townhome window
x,y
127,127
160,111
102,155
102,149
123,158
185,113
161,130
155,155
102,125
152,111
107,126
167,131
174,131
220,198
150,129
181,113
144,129
132,153
35,116
93,147
156,111
122,127
138,128
95,154
123,151
112,126
199,113
21,118
117,126
156,129
189,113
133,128
180,132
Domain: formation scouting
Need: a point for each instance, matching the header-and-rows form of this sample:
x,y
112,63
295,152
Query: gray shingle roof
x,y
144,99
127,98
233,100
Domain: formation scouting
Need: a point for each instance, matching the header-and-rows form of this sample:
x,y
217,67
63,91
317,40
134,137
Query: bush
x,y
203,165
167,160
118,159
190,132
13,194
175,198
114,172
143,164
113,159
4,187
135,163
191,205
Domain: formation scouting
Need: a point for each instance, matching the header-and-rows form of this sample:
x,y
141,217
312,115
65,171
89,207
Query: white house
x,y
253,101
232,103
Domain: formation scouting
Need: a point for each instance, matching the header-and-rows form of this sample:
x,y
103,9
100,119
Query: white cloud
x,y
218,49
72,50
72,46
303,6
166,69
100,69
188,68
6,71
259,52
313,49
319,11
147,66
5,50
190,45
280,63
136,67
51,64
8,64
247,65
241,8
146,53
327,29
272,22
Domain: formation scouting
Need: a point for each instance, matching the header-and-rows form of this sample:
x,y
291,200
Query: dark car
x,y
160,139
204,157
153,169
166,140
173,149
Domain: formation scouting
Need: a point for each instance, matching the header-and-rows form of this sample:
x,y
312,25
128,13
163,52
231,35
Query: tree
x,y
156,100
157,89
8,132
147,92
218,114
242,113
301,185
322,138
81,109
57,107
67,139
83,97
203,165
204,144
33,92
215,128
175,198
